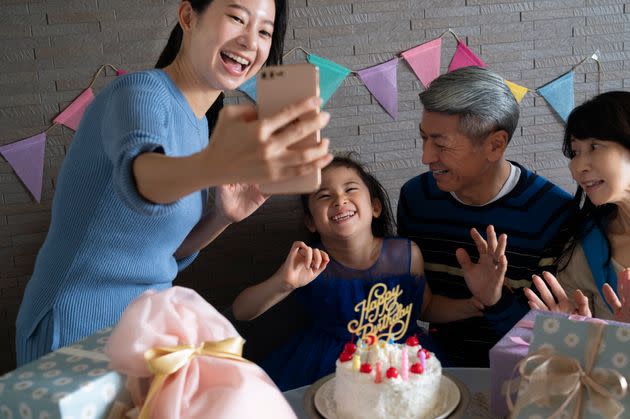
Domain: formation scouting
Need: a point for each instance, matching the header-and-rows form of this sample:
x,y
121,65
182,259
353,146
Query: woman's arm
x,y
207,229
242,149
232,203
302,265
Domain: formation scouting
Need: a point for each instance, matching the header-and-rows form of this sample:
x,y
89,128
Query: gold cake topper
x,y
382,316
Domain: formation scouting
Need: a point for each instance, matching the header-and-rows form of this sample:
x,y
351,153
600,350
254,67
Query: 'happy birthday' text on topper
x,y
382,316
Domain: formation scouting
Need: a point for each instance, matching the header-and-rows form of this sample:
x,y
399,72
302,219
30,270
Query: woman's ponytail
x,y
168,56
172,47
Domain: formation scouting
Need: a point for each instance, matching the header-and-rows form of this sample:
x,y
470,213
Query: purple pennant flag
x,y
381,81
27,159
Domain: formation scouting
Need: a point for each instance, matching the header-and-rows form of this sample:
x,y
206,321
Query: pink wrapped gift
x,y
191,356
503,358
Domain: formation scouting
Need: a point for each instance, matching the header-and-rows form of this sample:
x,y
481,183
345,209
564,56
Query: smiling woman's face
x,y
602,169
230,41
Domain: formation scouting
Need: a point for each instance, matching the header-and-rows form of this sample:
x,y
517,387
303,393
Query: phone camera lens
x,y
263,75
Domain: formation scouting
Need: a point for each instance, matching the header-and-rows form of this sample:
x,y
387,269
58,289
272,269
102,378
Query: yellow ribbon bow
x,y
163,362
548,375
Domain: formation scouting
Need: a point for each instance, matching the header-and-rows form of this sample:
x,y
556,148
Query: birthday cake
x,y
377,378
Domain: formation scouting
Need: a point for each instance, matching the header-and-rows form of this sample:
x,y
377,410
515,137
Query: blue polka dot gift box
x,y
71,383
575,368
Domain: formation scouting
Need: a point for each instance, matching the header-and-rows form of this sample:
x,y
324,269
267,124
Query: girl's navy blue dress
x,y
329,301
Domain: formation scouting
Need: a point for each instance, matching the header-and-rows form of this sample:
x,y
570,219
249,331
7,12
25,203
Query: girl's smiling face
x,y
602,169
342,207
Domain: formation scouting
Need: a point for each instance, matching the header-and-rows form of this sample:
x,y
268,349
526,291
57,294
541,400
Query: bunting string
x,y
380,80
292,50
98,73
424,60
26,156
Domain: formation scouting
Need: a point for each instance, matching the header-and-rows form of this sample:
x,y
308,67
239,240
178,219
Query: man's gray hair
x,y
480,97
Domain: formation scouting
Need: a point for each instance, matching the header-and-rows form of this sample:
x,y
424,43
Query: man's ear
x,y
496,144
310,225
377,207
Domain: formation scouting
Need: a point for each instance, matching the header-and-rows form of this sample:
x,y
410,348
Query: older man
x,y
469,118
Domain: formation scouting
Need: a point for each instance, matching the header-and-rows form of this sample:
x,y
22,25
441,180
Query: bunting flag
x,y
27,159
120,72
71,116
559,94
518,91
425,60
331,75
249,88
464,57
381,81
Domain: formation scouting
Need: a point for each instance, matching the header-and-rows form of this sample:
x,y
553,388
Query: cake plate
x,y
318,402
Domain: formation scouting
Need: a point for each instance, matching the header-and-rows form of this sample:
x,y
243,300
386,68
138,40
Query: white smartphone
x,y
276,88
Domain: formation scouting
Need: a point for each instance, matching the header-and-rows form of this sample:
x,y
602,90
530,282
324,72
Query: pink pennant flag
x,y
381,81
27,159
120,72
71,116
424,60
464,57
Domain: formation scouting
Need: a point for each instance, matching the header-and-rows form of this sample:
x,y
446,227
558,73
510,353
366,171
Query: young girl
x,y
595,261
129,209
351,216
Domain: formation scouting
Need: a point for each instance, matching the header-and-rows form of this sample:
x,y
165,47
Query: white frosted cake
x,y
371,381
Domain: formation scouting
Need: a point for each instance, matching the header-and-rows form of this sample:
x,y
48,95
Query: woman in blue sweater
x,y
129,210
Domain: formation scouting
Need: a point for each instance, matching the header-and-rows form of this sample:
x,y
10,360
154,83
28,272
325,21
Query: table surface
x,y
476,379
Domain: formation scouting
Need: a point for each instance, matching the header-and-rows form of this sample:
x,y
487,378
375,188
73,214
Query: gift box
x,y
575,368
183,360
72,382
503,358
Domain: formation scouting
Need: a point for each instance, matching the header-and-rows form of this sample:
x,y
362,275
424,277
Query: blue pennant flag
x,y
560,95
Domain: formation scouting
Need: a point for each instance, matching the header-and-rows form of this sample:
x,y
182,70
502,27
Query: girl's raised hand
x,y
302,265
237,201
485,278
550,288
246,149
619,303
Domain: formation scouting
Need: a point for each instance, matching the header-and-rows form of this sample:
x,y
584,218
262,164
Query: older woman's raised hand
x,y
553,298
620,301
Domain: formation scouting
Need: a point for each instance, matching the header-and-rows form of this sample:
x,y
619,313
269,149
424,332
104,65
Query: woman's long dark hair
x,y
605,117
383,225
275,53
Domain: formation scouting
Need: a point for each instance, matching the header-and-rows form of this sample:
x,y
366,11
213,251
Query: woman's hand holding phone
x,y
246,149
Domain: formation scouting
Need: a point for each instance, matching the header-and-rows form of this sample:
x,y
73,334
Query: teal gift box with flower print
x,y
576,368
72,382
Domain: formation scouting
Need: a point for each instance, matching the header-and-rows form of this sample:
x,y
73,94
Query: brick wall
x,y
49,50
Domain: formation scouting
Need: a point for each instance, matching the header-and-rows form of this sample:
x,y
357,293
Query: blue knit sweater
x,y
531,215
106,244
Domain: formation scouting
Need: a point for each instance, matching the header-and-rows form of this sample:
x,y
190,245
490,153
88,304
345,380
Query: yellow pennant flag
x,y
518,91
